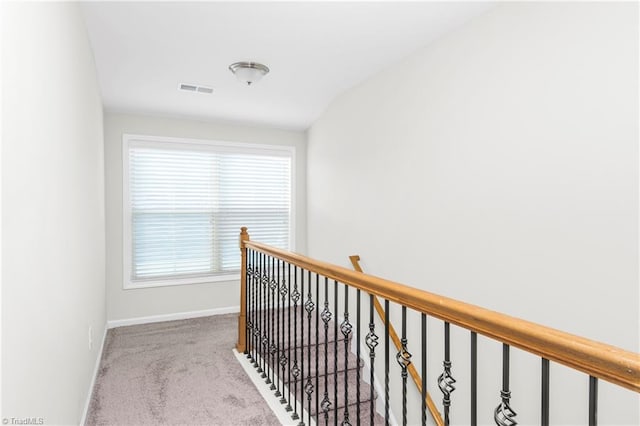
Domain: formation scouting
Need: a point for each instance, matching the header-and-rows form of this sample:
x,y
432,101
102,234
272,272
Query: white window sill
x,y
133,285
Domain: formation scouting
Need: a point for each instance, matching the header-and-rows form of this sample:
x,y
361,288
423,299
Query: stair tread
x,y
303,360
298,388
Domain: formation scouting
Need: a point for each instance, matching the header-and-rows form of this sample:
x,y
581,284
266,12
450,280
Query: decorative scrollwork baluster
x,y
326,406
504,414
308,389
254,297
303,382
403,357
284,291
265,339
288,406
446,380
273,349
345,329
295,369
326,318
309,306
276,296
371,340
248,304
258,330
317,349
256,338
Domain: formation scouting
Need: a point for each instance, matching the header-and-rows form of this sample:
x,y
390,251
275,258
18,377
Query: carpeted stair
x,y
346,372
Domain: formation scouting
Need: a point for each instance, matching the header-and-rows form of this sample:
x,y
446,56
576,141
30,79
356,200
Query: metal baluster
x,y
309,307
335,353
504,414
446,380
288,407
346,328
403,357
372,341
276,366
273,348
358,337
593,401
317,349
474,378
302,381
247,330
326,317
256,325
386,362
284,291
266,338
295,296
544,415
260,316
249,303
423,344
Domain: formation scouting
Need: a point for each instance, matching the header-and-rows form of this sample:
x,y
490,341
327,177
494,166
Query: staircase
x,y
333,375
312,340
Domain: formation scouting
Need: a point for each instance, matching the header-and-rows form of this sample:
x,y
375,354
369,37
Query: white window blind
x,y
188,202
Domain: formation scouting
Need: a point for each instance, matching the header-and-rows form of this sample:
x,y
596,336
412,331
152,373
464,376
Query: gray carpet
x,y
175,373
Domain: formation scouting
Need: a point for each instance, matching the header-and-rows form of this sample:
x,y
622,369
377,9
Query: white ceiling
x,y
316,50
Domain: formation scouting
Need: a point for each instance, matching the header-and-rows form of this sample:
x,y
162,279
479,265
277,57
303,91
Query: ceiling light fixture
x,y
249,72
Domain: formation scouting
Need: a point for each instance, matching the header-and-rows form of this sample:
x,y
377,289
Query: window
x,y
185,201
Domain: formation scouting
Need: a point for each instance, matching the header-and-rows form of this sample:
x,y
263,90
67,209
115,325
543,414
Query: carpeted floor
x,y
175,373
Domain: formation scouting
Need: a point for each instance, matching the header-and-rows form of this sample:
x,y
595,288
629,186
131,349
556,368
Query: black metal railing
x,y
291,313
299,333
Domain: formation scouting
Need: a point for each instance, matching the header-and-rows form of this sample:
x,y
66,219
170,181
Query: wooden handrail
x,y
435,414
605,362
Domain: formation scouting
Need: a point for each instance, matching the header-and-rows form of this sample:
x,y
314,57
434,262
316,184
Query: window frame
x,y
128,283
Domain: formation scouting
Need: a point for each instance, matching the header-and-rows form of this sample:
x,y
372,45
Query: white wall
x,y
499,166
134,303
52,213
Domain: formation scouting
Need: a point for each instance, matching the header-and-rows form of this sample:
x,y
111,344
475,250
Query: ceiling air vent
x,y
195,88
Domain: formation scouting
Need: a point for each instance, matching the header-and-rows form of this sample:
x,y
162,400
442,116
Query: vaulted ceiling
x,y
315,50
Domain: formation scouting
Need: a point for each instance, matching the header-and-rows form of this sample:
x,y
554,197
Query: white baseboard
x,y
96,368
172,317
